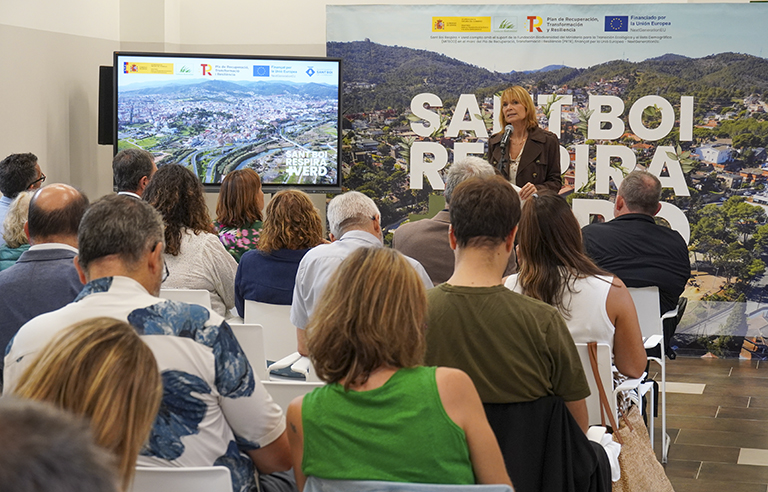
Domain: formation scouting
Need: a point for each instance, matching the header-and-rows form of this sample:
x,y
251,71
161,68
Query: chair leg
x,y
664,437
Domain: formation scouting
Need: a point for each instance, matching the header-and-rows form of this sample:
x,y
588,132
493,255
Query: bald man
x,y
44,278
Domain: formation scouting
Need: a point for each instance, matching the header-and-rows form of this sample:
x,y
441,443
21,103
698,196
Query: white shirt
x,y
211,399
203,263
321,262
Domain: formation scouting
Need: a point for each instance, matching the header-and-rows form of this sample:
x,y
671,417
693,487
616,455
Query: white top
x,y
204,263
211,399
321,262
588,321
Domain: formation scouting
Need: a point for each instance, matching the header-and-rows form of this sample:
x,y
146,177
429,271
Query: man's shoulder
x,y
420,231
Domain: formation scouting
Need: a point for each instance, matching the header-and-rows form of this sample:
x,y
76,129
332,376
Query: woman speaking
x,y
532,157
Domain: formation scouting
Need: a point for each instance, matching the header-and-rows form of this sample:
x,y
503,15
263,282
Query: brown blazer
x,y
539,163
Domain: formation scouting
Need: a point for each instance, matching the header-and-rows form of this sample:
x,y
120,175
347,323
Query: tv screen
x,y
216,113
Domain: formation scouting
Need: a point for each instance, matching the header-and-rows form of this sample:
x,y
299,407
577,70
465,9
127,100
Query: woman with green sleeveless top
x,y
382,416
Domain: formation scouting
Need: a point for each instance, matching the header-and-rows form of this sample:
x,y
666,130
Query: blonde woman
x,y
292,227
101,370
15,238
382,414
531,156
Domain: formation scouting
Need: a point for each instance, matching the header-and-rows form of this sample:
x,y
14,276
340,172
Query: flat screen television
x,y
217,113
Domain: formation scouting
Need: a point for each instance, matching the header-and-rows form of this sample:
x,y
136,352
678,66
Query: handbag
x,y
640,470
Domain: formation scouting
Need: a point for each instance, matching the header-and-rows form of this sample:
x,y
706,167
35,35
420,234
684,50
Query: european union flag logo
x,y
616,23
261,70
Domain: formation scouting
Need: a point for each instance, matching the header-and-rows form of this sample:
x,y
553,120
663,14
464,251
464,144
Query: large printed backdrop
x,y
668,87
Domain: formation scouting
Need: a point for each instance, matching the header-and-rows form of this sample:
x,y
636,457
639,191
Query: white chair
x,y
279,332
199,479
298,363
190,296
252,342
315,484
283,392
646,301
605,368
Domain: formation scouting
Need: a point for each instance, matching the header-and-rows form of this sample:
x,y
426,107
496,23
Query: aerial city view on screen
x,y
278,117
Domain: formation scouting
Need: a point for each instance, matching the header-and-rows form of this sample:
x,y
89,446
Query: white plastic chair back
x,y
315,484
198,479
283,392
251,340
190,296
279,332
646,301
604,366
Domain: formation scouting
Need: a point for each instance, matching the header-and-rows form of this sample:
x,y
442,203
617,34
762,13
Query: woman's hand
x,y
527,190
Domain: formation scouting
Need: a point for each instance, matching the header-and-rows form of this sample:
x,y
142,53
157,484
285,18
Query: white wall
x,y
50,53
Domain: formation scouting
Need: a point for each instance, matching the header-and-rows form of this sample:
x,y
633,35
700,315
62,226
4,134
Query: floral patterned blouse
x,y
239,240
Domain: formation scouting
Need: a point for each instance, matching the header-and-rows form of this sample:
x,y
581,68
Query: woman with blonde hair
x,y
15,238
596,306
101,370
382,414
291,228
530,156
238,211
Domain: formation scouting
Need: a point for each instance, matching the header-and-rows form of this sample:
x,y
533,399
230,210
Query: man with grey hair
x,y
426,240
634,248
214,411
46,449
354,222
132,169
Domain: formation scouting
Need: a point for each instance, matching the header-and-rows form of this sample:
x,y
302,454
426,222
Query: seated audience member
x,y
16,241
516,349
44,278
634,248
597,307
238,211
382,415
354,222
426,240
214,411
268,274
132,169
18,172
195,257
101,370
45,449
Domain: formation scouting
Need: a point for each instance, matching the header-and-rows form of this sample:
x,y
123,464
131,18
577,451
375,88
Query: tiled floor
x,y
719,430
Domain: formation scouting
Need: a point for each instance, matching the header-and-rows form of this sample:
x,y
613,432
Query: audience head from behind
x,y
101,370
484,212
20,172
353,211
132,170
241,199
371,315
13,225
550,249
639,193
55,212
46,449
462,170
120,235
291,222
179,196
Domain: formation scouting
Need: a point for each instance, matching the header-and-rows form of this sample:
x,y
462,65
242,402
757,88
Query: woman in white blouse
x,y
553,268
194,255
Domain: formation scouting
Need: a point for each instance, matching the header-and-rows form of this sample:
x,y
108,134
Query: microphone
x,y
507,133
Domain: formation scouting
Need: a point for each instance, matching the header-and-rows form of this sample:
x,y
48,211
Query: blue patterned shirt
x,y
213,407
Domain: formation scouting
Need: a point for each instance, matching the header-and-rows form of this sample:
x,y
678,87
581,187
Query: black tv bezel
x,y
267,188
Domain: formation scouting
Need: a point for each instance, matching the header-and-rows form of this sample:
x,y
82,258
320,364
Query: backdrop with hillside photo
x,y
701,92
